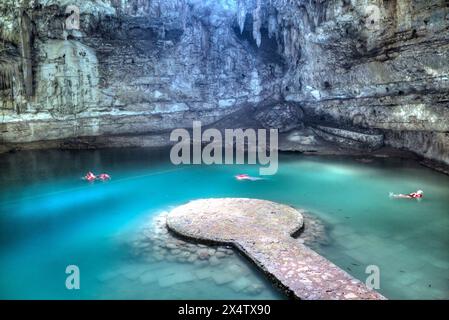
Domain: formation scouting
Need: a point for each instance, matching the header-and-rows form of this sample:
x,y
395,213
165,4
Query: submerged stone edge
x,y
184,230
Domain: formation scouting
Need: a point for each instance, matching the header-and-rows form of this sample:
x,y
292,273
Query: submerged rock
x,y
152,247
216,264
155,242
314,232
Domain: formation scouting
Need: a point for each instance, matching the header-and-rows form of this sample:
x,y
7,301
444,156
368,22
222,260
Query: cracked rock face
x,y
283,117
372,64
135,67
132,67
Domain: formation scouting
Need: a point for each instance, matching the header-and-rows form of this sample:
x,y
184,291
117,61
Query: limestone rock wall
x,y
133,66
139,66
371,63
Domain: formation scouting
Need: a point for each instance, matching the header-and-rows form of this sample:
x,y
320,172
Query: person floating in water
x,y
414,195
92,177
104,177
244,176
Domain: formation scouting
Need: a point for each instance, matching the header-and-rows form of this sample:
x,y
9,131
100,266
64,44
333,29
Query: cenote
x,y
50,218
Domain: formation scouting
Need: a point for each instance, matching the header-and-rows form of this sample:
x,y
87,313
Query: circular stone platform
x,y
262,231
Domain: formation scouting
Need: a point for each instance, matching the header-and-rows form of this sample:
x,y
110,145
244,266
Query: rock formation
x,y
137,67
372,64
132,67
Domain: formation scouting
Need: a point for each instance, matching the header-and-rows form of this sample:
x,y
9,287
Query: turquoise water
x,y
50,218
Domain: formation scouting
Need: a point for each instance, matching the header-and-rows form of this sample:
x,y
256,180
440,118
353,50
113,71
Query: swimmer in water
x,y
104,177
92,177
247,177
414,195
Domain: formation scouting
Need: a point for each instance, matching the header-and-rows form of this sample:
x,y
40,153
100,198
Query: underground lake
x,y
114,231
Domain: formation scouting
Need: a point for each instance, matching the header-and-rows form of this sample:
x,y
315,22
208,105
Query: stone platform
x,y
262,230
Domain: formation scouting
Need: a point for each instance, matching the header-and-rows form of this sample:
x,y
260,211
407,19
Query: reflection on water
x,y
50,218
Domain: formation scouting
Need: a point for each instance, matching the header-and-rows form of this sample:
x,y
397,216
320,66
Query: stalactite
x,y
11,74
286,42
205,39
272,25
25,46
10,79
241,14
257,23
8,72
294,42
184,14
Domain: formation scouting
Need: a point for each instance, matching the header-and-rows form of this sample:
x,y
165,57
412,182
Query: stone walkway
x,y
262,230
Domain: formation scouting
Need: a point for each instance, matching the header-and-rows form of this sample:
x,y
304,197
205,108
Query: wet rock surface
x,y
262,231
155,242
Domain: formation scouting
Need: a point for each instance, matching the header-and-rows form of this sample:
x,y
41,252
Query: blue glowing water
x,y
50,218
